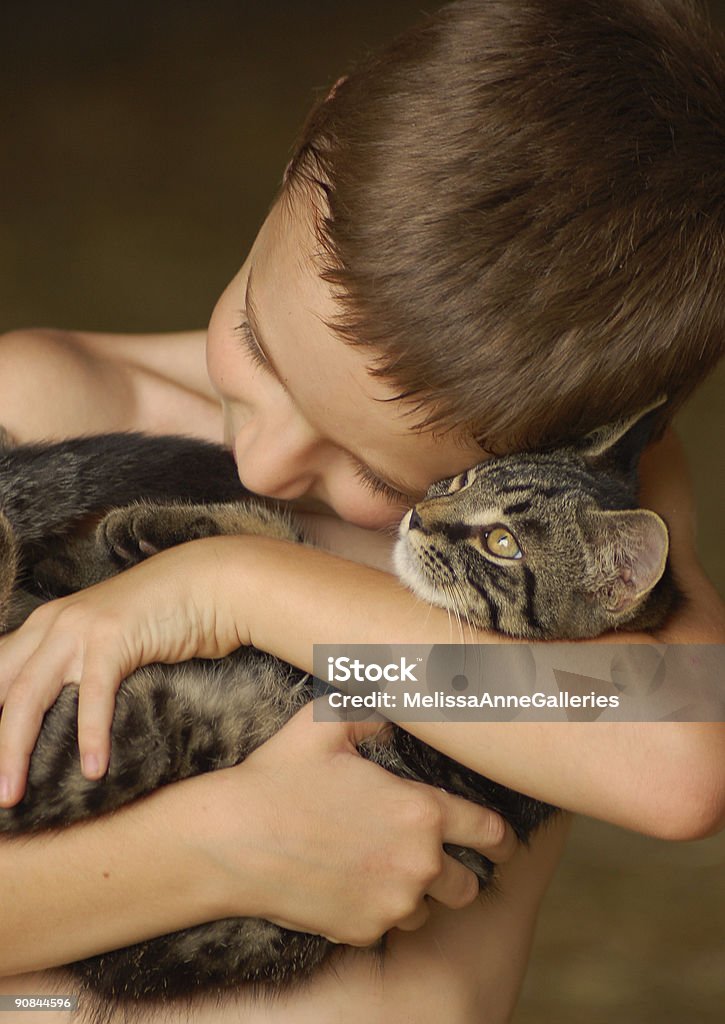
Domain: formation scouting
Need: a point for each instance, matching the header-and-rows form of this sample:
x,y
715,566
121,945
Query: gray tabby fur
x,y
172,722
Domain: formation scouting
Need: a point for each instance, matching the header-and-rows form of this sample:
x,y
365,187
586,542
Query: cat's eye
x,y
501,542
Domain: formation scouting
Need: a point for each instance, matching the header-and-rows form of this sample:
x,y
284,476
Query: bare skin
x,y
463,966
315,464
132,395
472,959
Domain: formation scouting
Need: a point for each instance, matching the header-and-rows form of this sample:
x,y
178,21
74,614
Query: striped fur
x,y
172,722
589,560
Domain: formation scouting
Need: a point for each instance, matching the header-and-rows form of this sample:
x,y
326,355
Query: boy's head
x,y
521,210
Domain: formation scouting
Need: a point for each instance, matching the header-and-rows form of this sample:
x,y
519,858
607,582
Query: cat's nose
x,y
415,522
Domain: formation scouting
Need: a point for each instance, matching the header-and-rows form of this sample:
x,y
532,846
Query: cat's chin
x,y
408,570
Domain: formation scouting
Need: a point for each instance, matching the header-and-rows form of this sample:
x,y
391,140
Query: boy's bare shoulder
x,y
57,383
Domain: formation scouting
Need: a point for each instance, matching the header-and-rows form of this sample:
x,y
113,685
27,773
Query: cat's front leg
x,y
131,534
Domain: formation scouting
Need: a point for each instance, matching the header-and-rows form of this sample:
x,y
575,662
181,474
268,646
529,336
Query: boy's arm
x,y
664,779
219,851
667,489
56,384
66,893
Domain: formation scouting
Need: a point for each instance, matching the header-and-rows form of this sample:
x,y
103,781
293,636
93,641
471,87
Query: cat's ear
x,y
630,553
623,441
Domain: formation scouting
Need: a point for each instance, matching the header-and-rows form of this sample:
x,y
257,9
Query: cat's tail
x,y
46,489
8,568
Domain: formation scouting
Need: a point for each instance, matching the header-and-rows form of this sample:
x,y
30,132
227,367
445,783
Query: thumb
x,y
350,733
376,725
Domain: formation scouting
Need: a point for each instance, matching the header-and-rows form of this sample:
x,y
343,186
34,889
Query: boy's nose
x,y
283,481
279,470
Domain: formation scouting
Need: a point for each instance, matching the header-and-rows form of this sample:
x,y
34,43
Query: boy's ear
x,y
335,87
630,553
621,443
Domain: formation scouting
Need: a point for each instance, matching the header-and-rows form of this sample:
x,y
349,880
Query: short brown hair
x,y
525,211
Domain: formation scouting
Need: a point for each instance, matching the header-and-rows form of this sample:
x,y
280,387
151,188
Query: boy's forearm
x,y
112,881
664,779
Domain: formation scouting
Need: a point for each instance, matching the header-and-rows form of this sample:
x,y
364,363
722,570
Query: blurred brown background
x,y
141,144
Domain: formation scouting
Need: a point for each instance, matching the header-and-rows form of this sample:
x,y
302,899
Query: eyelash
x,y
378,486
250,346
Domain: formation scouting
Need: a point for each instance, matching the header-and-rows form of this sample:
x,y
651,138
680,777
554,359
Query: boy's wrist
x,y
251,585
216,827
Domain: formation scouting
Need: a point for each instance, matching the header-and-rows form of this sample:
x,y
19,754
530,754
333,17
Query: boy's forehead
x,y
286,245
328,379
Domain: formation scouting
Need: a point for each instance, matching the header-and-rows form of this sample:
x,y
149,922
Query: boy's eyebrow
x,y
406,490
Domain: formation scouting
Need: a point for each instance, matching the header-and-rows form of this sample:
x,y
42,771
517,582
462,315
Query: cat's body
x,y
175,721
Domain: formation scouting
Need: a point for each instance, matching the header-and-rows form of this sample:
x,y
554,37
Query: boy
x,y
505,296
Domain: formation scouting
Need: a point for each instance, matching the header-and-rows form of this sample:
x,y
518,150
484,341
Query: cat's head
x,y
541,545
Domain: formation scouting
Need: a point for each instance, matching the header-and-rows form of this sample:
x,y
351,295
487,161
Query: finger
x,y
456,886
15,651
22,717
335,724
478,828
30,695
374,726
96,704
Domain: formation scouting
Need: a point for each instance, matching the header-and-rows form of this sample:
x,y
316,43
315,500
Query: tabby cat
x,y
540,545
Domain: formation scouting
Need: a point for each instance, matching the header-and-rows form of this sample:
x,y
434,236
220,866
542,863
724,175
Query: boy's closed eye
x,y
371,480
251,346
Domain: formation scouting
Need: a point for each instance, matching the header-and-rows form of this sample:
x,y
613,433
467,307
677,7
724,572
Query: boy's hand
x,y
98,637
343,848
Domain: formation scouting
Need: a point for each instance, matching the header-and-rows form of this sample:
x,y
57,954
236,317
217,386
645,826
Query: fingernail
x,y
4,789
90,766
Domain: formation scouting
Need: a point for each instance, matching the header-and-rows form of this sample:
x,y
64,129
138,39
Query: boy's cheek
x,y
365,510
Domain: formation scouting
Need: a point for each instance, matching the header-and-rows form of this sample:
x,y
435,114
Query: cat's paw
x,y
129,535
